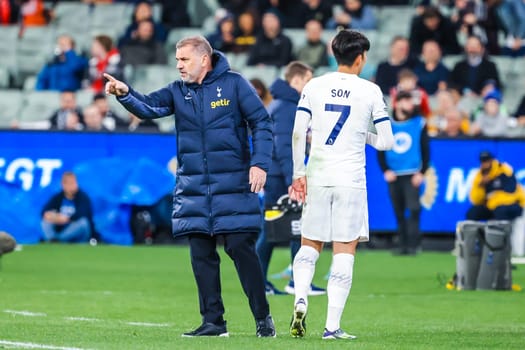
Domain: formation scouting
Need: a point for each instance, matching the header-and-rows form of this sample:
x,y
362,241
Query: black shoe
x,y
208,329
265,327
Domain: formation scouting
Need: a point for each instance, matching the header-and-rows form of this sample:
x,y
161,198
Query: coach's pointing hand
x,y
115,87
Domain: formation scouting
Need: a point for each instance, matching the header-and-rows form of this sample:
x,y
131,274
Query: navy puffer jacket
x,y
212,194
282,110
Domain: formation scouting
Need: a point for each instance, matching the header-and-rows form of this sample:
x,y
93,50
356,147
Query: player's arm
x,y
384,139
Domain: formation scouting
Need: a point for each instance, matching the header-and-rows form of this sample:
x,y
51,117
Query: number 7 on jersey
x,y
345,112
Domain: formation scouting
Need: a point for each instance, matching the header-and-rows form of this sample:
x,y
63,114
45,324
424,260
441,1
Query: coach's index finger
x,y
110,78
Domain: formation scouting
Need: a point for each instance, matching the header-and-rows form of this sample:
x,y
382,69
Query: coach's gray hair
x,y
199,43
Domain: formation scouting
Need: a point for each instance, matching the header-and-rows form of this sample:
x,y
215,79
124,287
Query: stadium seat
x,y
297,36
147,78
8,35
266,73
178,33
72,15
33,49
395,20
85,97
4,77
110,18
37,108
10,105
199,10
166,124
29,83
450,60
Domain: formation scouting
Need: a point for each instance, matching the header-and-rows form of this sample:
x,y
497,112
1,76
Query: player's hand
x,y
390,176
115,87
297,191
417,179
257,179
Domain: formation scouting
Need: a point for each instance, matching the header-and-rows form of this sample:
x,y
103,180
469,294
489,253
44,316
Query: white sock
x,y
339,284
303,271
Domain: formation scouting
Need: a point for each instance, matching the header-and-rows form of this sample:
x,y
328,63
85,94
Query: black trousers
x,y
503,212
407,209
205,262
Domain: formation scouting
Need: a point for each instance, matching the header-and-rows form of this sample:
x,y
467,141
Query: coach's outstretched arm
x,y
155,105
384,139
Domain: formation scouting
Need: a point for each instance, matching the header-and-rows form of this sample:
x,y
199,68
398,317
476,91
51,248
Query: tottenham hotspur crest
x,y
219,91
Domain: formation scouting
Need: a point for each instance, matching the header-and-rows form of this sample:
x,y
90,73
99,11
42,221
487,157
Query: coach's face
x,y
190,63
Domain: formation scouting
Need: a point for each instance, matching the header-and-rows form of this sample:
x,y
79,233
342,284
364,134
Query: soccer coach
x,y
218,176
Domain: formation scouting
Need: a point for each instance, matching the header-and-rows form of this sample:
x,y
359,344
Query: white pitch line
x,y
147,324
25,345
518,260
86,319
25,313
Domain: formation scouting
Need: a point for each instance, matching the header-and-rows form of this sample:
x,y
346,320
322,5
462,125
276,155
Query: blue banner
x,y
119,170
444,196
115,170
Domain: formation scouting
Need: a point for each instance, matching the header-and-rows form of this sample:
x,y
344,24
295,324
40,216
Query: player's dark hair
x,y
348,45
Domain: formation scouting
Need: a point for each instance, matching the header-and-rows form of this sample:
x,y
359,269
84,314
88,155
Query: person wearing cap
x,y
492,119
404,167
496,193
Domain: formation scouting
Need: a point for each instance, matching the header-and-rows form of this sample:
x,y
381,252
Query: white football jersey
x,y
341,107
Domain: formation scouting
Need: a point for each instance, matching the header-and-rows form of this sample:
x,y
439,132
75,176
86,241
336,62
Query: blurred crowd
x,y
448,55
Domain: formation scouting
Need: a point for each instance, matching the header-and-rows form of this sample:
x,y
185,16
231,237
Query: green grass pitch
x,y
109,297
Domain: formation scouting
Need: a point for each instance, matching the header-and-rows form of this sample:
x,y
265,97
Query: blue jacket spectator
x,y
68,215
66,71
213,148
432,74
354,14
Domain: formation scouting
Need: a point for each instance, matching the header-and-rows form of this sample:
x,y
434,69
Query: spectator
x,y
93,119
404,167
432,74
68,104
68,215
104,58
223,39
72,122
451,127
314,51
272,47
262,91
471,73
388,71
432,25
174,14
143,48
65,71
318,10
34,13
110,119
245,36
512,14
495,192
493,119
447,100
465,17
143,11
9,12
354,14
140,125
407,81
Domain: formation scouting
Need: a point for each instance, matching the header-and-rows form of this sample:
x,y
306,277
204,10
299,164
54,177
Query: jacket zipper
x,y
205,157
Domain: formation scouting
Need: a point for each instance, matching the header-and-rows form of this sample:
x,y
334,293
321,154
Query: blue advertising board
x,y
119,170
